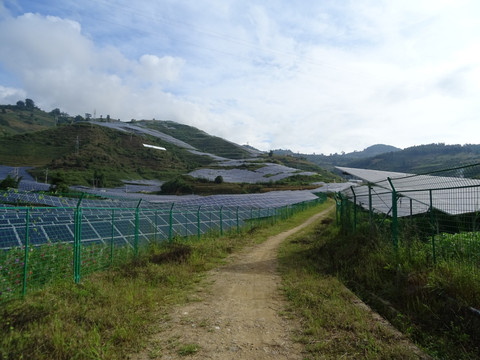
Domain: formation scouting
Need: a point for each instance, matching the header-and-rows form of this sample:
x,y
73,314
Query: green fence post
x,y
337,207
198,223
170,229
77,246
221,221
370,205
25,260
113,236
77,258
137,224
238,222
432,225
156,227
354,209
251,218
394,215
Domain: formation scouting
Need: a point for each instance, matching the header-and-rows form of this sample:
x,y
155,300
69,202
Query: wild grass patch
x,y
112,313
431,303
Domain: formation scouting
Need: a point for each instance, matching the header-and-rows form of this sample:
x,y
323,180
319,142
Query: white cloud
x,y
11,95
153,69
312,77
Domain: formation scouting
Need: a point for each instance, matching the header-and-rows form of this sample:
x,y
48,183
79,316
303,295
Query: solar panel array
x,y
416,194
268,172
115,218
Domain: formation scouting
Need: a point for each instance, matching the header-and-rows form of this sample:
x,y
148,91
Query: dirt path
x,y
237,316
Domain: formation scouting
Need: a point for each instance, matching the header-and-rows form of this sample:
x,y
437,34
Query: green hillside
x,y
14,120
199,139
81,150
72,151
421,159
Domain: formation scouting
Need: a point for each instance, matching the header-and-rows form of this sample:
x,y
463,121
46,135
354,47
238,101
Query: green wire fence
x,y
435,215
43,244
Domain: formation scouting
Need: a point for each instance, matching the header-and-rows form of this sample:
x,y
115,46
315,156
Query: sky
x,y
310,76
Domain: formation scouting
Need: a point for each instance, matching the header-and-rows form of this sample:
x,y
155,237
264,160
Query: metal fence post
x,y
170,229
27,246
137,223
370,206
221,221
156,227
354,209
198,222
238,223
432,225
113,236
394,215
77,258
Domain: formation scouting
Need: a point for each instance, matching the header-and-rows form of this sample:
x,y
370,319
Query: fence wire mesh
x,y
67,238
436,215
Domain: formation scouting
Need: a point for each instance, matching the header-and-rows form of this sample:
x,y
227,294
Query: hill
x,y
199,139
329,162
74,151
421,159
16,119
79,151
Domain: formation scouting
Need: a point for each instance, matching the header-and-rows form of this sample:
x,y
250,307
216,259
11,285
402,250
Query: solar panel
x,y
8,238
449,194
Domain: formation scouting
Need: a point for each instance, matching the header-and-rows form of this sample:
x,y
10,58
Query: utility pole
x,y
46,176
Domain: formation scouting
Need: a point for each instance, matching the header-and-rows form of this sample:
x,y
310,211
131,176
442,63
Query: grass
x,y
185,184
430,303
104,153
111,314
333,327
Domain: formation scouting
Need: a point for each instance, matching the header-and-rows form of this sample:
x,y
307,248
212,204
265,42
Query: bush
x,y
176,186
219,179
9,182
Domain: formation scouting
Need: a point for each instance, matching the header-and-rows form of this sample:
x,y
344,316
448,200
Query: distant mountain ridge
x,y
418,159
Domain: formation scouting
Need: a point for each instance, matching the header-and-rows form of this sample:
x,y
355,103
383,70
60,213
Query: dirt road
x,y
236,315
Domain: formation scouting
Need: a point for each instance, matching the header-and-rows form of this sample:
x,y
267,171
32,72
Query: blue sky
x,y
313,77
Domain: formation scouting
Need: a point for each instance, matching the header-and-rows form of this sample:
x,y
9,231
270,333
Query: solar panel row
x,y
121,225
415,193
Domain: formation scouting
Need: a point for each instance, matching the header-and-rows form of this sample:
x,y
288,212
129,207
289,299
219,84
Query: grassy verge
x,y
334,323
428,303
112,313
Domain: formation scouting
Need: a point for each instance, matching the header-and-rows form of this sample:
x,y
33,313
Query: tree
x,y
29,104
218,179
20,105
58,182
10,182
56,112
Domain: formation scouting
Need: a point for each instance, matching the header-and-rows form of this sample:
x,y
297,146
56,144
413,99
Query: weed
x,y
111,313
188,349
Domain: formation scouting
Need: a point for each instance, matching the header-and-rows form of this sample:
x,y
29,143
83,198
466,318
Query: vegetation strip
x,y
111,314
335,323
410,292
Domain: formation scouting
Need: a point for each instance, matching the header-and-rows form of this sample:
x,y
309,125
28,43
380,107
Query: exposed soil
x,y
236,314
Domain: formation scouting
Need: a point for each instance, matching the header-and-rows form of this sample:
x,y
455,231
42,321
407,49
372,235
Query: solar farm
x,y
99,226
440,209
45,237
115,218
